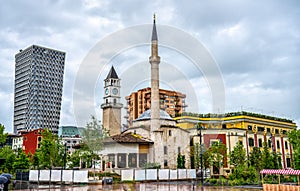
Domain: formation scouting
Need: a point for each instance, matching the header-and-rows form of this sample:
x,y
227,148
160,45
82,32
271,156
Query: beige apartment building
x,y
138,102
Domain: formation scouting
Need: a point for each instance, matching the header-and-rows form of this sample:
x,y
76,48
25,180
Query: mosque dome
x,y
147,115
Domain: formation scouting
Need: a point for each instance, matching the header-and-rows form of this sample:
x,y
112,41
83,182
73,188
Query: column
x,y
116,161
255,140
138,160
247,144
127,154
282,151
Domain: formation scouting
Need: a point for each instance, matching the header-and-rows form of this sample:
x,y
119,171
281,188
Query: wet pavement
x,y
161,186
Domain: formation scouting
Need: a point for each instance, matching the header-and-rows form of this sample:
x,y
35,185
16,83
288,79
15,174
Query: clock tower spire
x,y
111,116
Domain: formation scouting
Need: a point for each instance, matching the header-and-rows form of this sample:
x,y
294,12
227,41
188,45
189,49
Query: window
x,y
179,150
276,131
142,159
115,101
251,142
170,133
286,145
288,162
165,163
214,142
269,143
278,144
268,130
165,150
224,126
259,142
250,127
260,129
132,160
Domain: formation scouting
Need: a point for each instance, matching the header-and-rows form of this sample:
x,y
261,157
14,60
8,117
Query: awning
x,y
280,171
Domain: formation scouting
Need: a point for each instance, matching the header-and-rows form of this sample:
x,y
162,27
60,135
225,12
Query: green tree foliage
x,y
207,159
255,159
74,159
196,155
92,139
294,139
93,135
238,155
243,173
9,156
35,161
180,161
51,151
267,159
3,135
218,154
21,161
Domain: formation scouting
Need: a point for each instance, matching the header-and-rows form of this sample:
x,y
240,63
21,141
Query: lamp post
x,y
65,155
199,128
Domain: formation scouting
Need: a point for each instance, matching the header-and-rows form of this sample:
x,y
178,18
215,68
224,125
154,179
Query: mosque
x,y
153,137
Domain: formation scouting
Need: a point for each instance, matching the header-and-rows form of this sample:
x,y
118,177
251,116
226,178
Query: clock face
x,y
106,91
115,91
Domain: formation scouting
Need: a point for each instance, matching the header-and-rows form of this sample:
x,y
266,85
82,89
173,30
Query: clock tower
x,y
111,117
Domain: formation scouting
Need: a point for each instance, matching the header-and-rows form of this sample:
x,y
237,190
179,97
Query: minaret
x,y
111,117
154,60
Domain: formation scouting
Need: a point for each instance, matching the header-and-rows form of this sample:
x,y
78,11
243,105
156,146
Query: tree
x,y
267,159
218,155
21,162
74,159
50,151
196,155
9,156
180,161
35,160
92,139
93,135
238,155
3,135
255,159
207,158
294,139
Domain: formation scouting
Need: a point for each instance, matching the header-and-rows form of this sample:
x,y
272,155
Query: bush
x,y
152,166
213,181
235,182
222,181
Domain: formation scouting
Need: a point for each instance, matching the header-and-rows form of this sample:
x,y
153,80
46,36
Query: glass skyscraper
x,y
38,88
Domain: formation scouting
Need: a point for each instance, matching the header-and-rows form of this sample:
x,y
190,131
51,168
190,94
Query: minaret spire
x,y
154,33
154,60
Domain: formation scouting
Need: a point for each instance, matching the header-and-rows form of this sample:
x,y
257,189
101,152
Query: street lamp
x,y
65,155
199,128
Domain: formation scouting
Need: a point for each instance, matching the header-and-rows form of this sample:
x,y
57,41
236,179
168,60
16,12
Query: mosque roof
x,y
129,137
147,115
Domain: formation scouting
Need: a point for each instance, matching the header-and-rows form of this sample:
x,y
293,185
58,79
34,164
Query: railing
x,y
157,174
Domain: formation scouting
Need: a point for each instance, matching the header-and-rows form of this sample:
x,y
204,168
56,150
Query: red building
x,y
31,140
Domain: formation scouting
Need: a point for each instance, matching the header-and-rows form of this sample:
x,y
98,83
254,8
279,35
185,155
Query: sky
x,y
224,55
